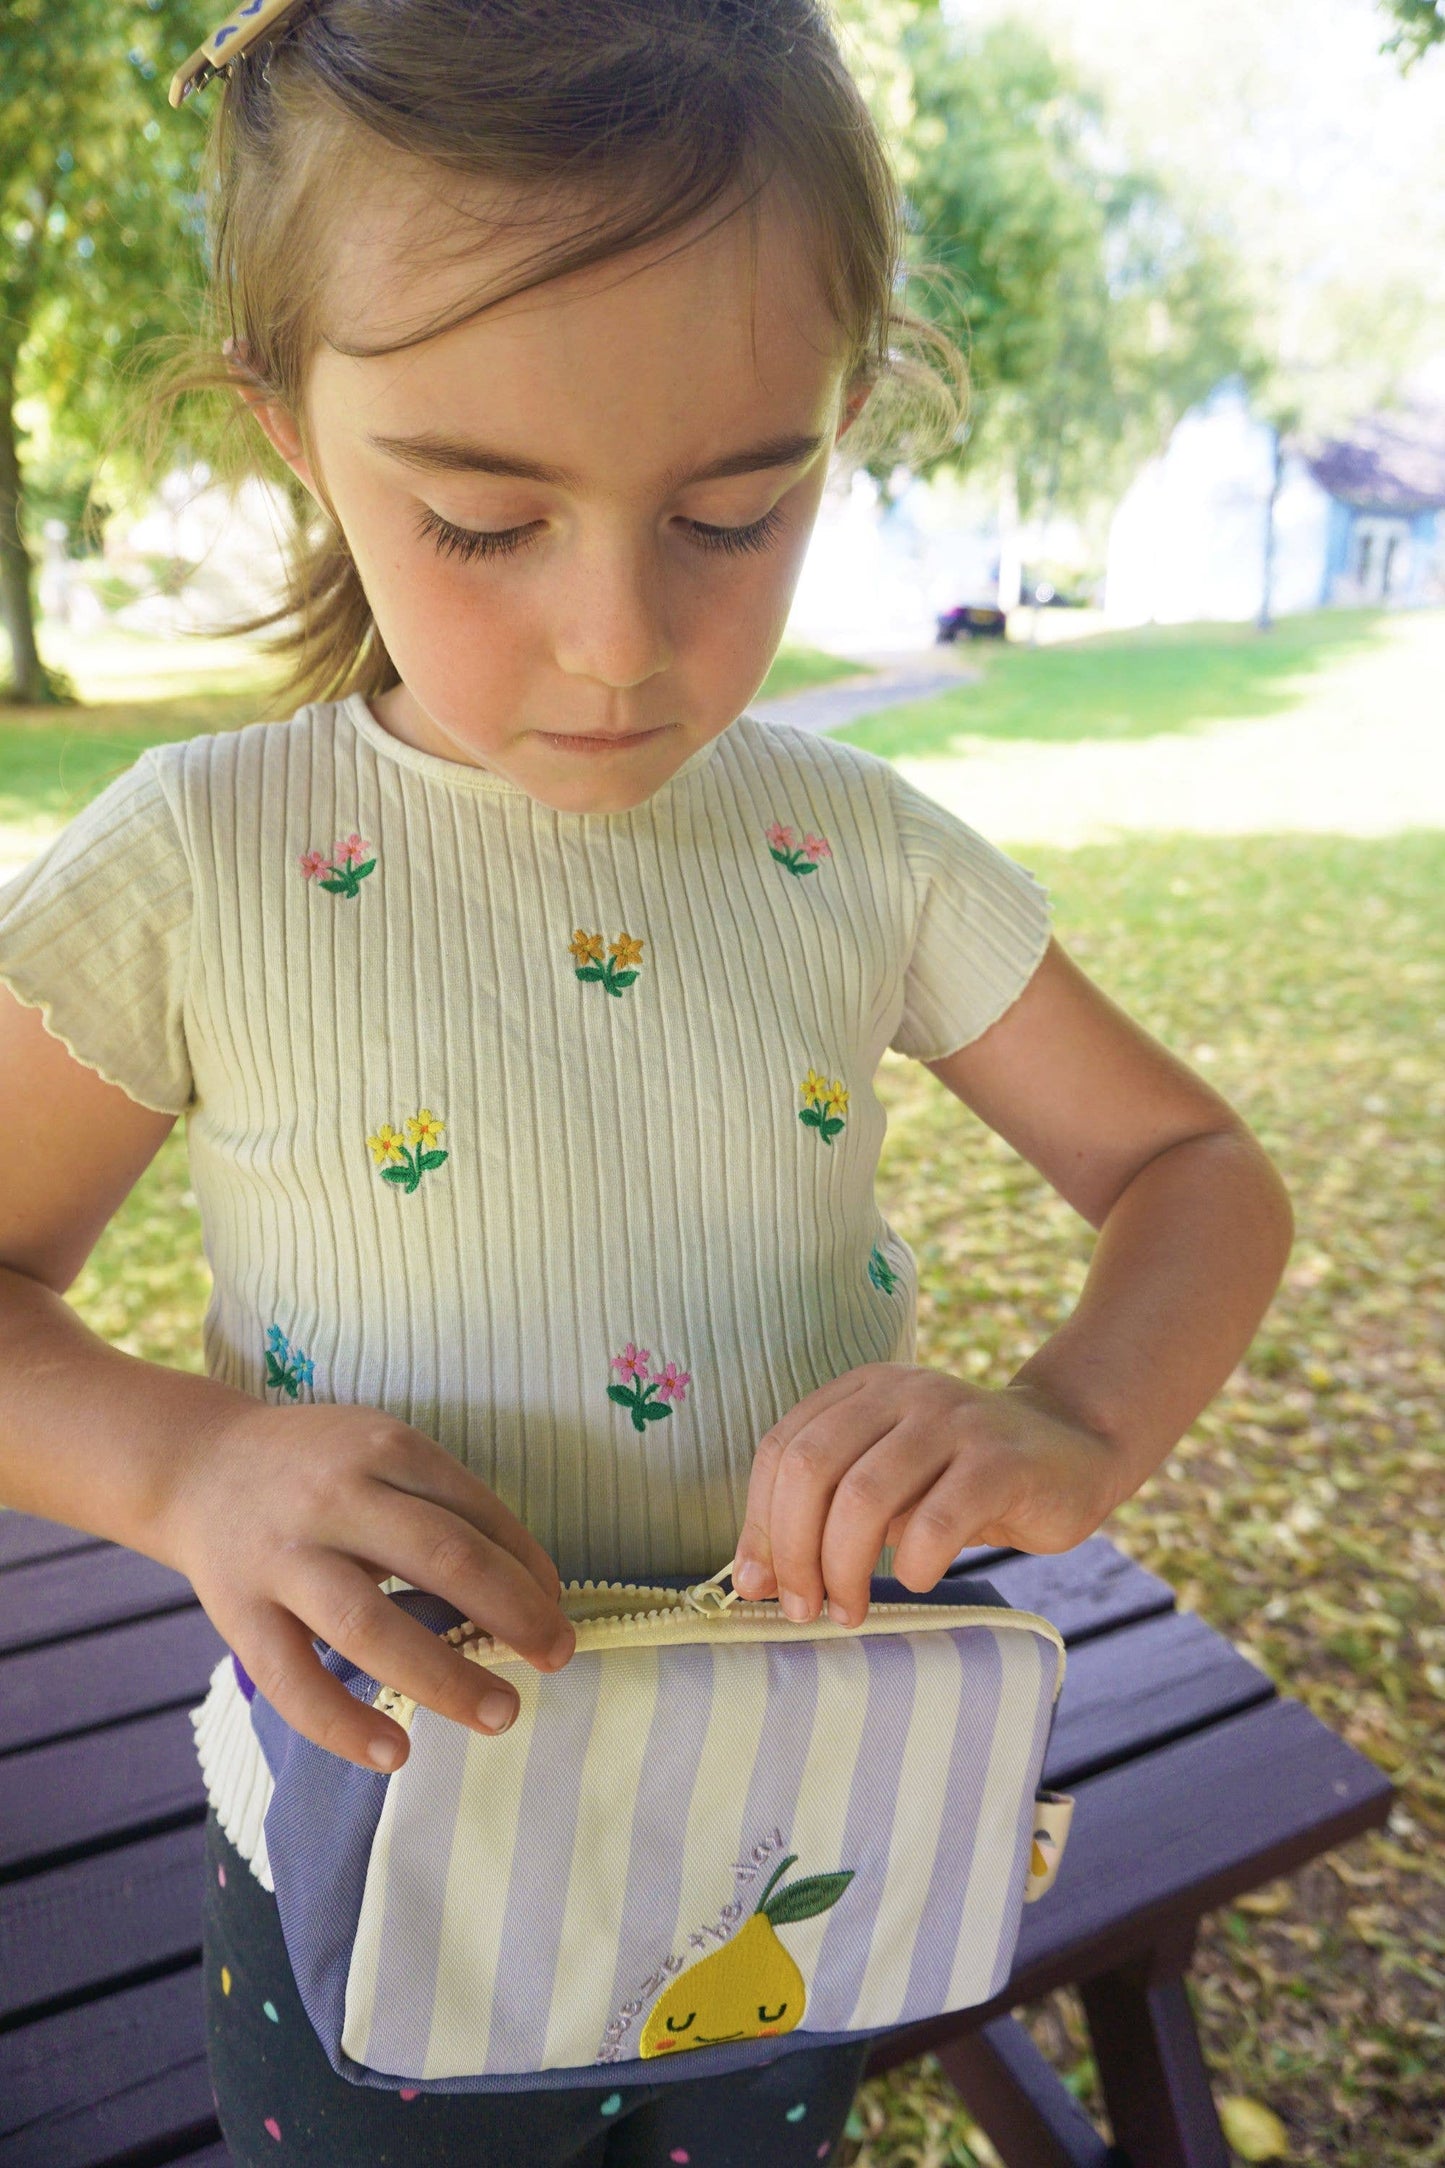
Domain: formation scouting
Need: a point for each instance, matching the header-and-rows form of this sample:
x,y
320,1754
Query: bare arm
x,y
284,1520
1194,1231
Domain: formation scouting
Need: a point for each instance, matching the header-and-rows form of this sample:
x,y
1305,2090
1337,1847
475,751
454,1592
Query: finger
x,y
960,1508
811,1466
437,1550
277,1652
871,1497
437,1477
754,1545
382,1638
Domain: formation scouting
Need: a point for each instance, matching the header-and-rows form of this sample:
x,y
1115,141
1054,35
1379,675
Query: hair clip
x,y
227,43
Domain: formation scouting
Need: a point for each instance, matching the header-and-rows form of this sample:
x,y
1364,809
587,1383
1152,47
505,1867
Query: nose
x,y
610,624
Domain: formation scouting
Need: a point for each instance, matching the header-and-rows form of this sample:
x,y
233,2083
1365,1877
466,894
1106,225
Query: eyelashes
x,y
468,543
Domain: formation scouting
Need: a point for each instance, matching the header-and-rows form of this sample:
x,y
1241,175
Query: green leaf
x,y
338,888
359,873
275,1371
396,1174
653,1410
811,1117
623,1397
831,1127
781,856
589,971
639,1415
806,867
624,978
425,1160
801,1900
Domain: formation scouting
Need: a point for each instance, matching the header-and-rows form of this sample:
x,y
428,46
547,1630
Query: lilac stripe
x,y
659,1823
788,1718
867,1831
542,1865
937,1944
411,1926
1048,1657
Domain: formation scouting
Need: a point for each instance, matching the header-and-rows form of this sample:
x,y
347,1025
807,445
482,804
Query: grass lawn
x,y
1305,976
1124,684
798,669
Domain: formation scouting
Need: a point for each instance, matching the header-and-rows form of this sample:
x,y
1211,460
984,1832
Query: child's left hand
x,y
900,1454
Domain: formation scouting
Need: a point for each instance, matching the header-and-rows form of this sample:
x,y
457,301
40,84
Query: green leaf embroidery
x,y
591,971
621,1395
399,1174
427,1160
623,978
360,872
810,1117
802,1900
652,1411
783,857
806,867
830,1128
339,888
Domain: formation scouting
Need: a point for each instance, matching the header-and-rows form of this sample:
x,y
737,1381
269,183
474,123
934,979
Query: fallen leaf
x,y
1254,2131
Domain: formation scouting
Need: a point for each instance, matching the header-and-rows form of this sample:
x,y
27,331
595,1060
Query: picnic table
x,y
1195,1782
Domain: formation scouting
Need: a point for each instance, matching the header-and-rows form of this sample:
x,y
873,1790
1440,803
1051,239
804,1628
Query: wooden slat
x,y
1128,1692
116,2079
1091,1590
24,1536
71,1686
98,1788
75,1593
70,1929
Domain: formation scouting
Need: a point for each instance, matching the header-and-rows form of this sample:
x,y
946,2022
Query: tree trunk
x,y
1266,585
30,680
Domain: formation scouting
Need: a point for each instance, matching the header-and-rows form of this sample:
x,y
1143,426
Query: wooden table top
x,y
1194,1781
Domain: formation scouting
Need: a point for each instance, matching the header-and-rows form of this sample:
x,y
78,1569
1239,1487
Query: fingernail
x,y
794,1606
563,1647
840,1613
383,1753
496,1709
749,1578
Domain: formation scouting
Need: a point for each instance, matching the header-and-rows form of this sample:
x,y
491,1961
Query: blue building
x,y
1386,486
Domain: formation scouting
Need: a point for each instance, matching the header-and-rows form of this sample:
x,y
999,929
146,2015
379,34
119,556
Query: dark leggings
x,y
279,2100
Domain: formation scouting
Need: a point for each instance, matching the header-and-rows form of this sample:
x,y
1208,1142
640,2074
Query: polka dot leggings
x,y
281,2105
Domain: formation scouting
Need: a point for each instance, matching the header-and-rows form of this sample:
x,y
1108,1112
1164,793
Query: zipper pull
x,y
707,1595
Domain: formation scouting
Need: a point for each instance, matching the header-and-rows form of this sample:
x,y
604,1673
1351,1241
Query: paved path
x,y
831,707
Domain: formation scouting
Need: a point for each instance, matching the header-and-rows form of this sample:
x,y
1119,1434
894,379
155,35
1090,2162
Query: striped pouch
x,y
713,1835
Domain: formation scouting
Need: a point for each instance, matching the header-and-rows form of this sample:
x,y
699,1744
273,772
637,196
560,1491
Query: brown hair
x,y
634,117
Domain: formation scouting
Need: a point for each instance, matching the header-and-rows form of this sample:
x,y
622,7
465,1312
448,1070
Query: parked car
x,y
971,621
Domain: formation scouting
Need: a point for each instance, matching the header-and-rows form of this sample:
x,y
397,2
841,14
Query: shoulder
x,y
233,763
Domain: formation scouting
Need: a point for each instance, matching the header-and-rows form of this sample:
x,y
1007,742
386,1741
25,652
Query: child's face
x,y
606,639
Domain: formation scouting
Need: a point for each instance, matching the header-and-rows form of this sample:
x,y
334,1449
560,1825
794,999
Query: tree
x,y
1421,25
1094,314
101,238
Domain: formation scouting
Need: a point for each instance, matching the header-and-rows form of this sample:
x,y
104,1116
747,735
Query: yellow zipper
x,y
662,1617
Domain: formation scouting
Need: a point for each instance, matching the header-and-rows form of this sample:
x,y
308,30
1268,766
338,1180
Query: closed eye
x,y
468,543
673,2026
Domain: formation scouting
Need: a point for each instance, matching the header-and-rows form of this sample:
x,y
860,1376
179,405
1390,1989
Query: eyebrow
x,y
453,455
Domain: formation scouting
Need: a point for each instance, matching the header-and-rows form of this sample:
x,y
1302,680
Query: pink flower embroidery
x,y
344,871
631,1363
313,864
671,1382
350,850
797,858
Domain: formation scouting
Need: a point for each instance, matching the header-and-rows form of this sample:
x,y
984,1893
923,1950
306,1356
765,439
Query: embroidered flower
x,y
423,1128
345,869
386,1145
396,1161
631,1363
798,858
671,1383
646,1397
618,971
824,1105
880,1272
286,1367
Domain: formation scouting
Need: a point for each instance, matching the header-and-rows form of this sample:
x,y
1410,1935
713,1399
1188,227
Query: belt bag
x,y
714,1835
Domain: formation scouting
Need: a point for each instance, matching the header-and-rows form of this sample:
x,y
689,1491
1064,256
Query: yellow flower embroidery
x,y
618,971
386,1145
824,1105
425,1128
587,947
399,1163
626,952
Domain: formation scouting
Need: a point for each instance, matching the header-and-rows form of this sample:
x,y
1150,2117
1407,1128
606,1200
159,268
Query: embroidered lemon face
x,y
750,1988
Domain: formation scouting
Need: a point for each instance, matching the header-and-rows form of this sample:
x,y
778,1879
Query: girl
x,y
524,996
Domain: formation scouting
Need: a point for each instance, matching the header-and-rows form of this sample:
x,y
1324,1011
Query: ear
x,y
859,393
276,420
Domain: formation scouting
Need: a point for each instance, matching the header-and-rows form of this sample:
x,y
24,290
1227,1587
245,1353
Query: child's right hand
x,y
285,1520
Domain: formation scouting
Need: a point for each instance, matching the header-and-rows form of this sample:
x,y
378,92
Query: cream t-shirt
x,y
552,1134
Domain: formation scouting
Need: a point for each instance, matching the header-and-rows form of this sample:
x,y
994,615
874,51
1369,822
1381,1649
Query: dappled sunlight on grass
x,y
1158,679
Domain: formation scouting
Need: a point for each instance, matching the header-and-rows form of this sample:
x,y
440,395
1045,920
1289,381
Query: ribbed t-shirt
x,y
552,1134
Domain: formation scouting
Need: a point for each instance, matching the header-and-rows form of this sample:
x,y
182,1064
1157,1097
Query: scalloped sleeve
x,y
982,926
96,934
